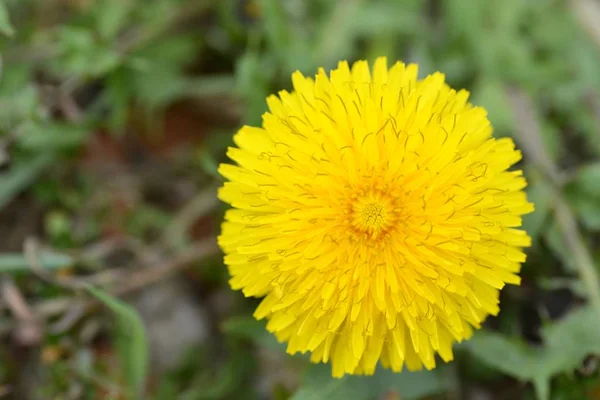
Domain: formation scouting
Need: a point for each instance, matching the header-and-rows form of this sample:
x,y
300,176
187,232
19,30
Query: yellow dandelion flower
x,y
375,214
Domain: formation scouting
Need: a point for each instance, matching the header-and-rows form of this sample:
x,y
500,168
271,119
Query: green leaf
x,y
566,344
276,26
215,85
318,384
180,87
18,107
6,27
583,195
586,207
553,236
15,77
132,342
492,95
116,98
540,194
16,262
587,178
82,54
510,357
19,97
338,33
403,17
551,139
54,135
209,164
164,61
575,285
228,14
173,52
111,16
21,176
252,84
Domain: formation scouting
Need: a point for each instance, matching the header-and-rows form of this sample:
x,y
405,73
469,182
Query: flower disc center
x,y
373,214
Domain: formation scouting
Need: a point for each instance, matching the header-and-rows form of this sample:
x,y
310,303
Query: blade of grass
x,y
528,135
6,27
132,341
338,33
15,262
19,178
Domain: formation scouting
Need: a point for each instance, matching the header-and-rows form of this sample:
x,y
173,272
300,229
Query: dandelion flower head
x,y
375,214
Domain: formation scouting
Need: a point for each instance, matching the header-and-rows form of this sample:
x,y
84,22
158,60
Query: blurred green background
x,y
114,115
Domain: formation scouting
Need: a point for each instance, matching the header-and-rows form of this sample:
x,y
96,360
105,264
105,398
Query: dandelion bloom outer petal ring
x,y
375,214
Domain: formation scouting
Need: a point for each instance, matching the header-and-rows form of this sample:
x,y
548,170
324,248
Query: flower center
x,y
373,214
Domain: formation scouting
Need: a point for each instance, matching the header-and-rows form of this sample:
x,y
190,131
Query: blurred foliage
x,y
413,385
114,115
131,342
566,345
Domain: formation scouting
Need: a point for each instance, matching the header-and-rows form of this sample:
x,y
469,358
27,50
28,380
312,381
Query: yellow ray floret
x,y
375,214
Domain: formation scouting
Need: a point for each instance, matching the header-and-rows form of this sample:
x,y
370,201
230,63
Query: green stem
x,y
529,137
587,270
